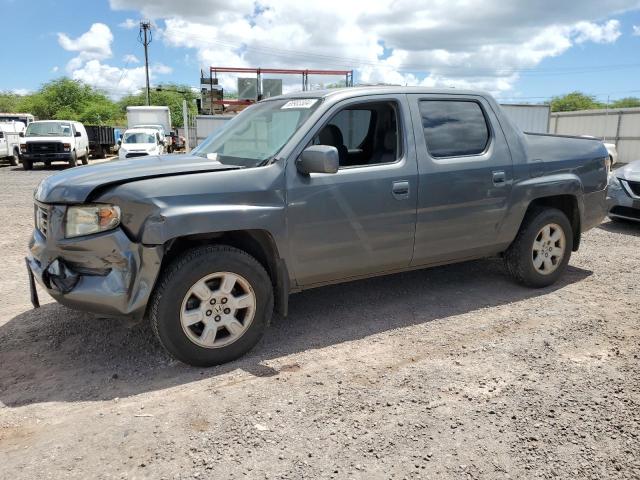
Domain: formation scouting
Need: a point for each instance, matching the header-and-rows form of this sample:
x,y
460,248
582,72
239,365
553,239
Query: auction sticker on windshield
x,y
302,103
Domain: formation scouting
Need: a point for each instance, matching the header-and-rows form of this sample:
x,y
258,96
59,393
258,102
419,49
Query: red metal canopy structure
x,y
258,72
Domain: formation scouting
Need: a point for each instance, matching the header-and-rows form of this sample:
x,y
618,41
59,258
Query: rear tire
x,y
85,158
541,251
182,311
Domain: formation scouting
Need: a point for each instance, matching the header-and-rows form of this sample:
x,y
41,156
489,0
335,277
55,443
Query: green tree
x,y
574,101
9,102
169,95
627,102
65,99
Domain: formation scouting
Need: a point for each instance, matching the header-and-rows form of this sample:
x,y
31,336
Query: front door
x,y
360,220
465,177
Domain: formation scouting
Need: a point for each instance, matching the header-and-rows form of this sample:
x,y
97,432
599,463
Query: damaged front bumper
x,y
104,273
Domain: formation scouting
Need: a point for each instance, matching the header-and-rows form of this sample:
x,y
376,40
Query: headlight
x,y
66,147
88,219
23,147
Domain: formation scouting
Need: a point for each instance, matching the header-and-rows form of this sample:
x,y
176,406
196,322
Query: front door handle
x,y
499,178
400,189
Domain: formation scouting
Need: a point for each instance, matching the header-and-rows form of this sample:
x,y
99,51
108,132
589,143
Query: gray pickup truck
x,y
304,190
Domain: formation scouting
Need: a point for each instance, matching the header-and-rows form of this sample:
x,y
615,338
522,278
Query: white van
x,y
10,141
140,142
54,140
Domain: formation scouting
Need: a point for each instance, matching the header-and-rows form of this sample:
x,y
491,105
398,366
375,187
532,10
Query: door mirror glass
x,y
78,134
318,159
21,134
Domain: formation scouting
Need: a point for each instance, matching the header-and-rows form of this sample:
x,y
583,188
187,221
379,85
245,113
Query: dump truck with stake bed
x,y
304,190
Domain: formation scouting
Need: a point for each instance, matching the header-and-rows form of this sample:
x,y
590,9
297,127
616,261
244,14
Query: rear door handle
x,y
499,178
400,189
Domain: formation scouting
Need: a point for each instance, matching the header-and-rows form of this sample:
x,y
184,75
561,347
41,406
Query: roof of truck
x,y
378,90
141,130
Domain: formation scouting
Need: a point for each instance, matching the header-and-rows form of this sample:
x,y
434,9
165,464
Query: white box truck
x,y
10,141
158,118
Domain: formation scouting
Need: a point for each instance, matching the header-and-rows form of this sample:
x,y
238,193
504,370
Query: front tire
x,y
73,160
212,305
541,251
27,164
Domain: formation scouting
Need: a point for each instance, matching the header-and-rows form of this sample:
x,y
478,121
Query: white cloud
x,y
55,69
93,44
129,24
116,81
20,91
636,31
161,69
130,58
590,32
464,43
93,47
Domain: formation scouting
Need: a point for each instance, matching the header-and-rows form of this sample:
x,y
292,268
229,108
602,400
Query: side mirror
x,y
78,134
21,134
318,159
119,141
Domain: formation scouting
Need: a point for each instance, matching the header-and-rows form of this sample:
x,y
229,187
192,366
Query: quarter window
x,y
454,128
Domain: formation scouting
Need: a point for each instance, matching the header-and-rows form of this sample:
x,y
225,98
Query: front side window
x,y
138,137
364,134
48,129
256,135
454,128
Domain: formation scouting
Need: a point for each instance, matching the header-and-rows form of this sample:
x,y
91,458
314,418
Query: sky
x,y
520,51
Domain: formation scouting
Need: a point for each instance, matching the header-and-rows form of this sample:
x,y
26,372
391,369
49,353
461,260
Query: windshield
x,y
255,136
48,129
138,137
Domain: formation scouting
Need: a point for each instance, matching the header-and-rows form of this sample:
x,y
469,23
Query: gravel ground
x,y
452,372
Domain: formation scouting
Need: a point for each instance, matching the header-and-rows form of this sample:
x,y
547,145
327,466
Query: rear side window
x,y
454,128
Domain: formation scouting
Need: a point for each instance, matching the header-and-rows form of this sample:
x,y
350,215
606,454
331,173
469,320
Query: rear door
x,y
465,177
360,220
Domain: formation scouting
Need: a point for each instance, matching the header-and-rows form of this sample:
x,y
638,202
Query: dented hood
x,y
76,184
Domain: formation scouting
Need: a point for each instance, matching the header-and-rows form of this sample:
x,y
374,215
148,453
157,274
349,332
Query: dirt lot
x,y
452,372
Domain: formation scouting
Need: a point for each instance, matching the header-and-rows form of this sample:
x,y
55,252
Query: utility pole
x,y
145,38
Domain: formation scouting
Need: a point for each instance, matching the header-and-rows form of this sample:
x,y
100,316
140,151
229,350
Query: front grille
x,y
626,212
135,154
44,147
634,187
42,219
